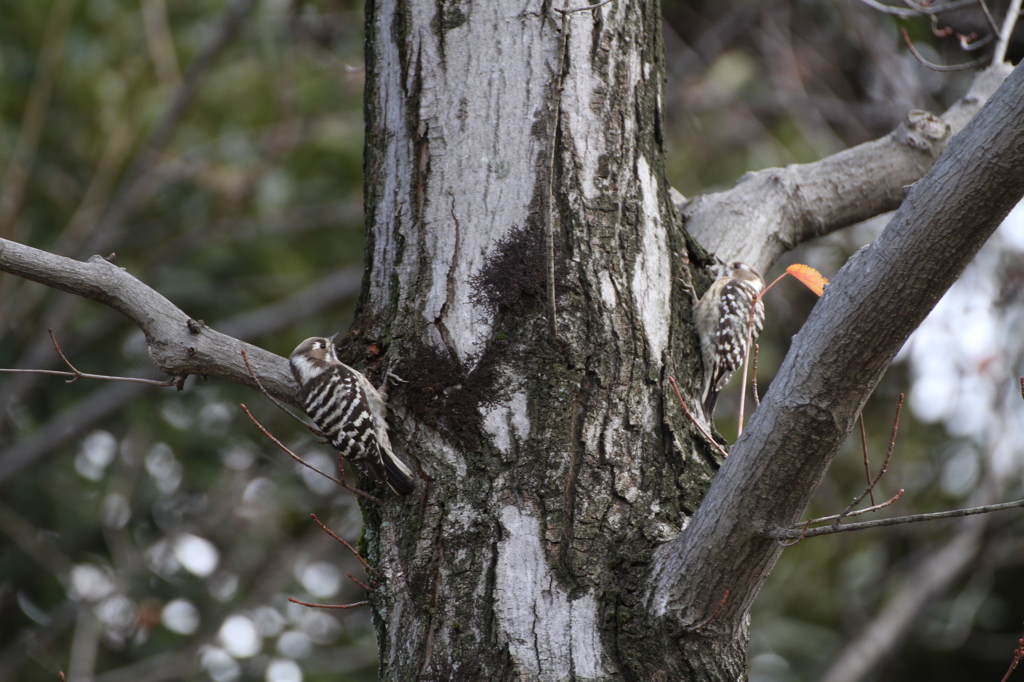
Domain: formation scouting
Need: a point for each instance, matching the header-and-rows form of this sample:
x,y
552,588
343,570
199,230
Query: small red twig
x,y
881,472
867,462
329,606
803,534
358,582
1017,654
280,405
757,398
275,441
746,358
706,621
707,436
61,675
349,547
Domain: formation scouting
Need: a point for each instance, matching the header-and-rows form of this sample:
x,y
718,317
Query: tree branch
x,y
794,533
106,400
771,211
177,344
874,303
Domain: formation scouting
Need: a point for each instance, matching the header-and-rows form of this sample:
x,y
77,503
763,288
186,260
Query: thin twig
x,y
349,547
563,12
275,441
881,472
889,9
328,606
939,67
789,533
746,356
757,398
703,623
1017,654
707,436
86,375
360,583
1006,34
803,534
274,400
991,21
867,462
939,9
75,374
967,44
856,512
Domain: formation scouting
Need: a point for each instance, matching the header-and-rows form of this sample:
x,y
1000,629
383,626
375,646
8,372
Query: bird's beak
x,y
333,337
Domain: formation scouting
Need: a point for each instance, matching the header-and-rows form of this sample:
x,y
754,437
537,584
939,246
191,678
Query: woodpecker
x,y
349,411
727,328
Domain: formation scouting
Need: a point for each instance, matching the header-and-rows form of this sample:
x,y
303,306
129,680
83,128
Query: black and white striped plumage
x,y
349,411
724,322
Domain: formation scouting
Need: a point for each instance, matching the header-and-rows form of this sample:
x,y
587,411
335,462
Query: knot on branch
x,y
923,131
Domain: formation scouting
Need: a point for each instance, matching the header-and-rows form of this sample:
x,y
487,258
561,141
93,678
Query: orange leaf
x,y
811,278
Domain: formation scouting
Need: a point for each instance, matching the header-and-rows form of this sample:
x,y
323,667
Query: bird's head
x,y
746,273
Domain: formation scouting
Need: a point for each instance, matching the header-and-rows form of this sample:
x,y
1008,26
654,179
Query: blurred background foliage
x,y
216,148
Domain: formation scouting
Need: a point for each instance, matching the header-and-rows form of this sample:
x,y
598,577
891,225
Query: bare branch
x,y
103,402
1017,654
865,315
856,512
76,375
932,10
901,12
349,547
341,483
703,431
329,606
178,345
881,472
274,400
770,211
789,533
966,66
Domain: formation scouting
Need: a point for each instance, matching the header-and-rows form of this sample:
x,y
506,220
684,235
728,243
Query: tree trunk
x,y
506,144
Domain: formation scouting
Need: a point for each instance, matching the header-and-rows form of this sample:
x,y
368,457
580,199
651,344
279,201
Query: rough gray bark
x,y
551,467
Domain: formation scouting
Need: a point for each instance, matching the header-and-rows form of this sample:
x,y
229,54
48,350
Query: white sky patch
x,y
549,636
239,637
651,285
180,616
197,555
963,360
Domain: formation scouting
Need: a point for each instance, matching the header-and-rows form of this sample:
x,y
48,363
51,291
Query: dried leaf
x,y
811,278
